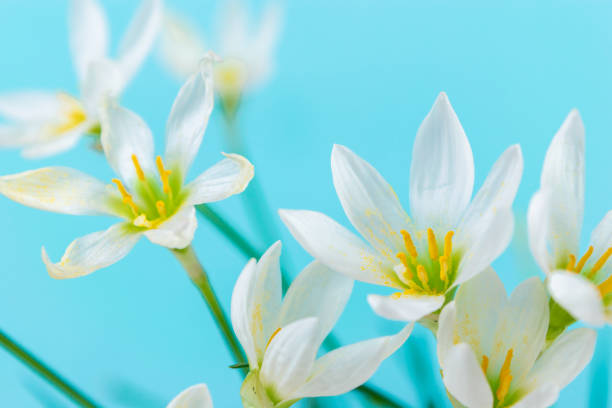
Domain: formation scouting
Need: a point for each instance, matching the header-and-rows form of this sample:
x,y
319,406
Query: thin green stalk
x,y
199,277
45,372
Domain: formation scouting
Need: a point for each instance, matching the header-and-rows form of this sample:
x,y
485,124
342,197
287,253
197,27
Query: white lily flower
x,y
47,123
491,348
448,241
196,396
246,50
580,284
152,199
281,337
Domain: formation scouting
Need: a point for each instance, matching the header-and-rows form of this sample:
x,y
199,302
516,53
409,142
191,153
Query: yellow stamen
x,y
485,363
443,268
127,198
448,244
600,262
163,174
396,295
161,208
605,287
571,263
584,258
433,245
505,378
409,244
272,336
422,274
407,271
139,171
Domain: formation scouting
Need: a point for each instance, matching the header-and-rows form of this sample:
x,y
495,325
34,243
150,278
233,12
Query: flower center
x,y
428,274
505,376
230,76
154,206
74,115
578,267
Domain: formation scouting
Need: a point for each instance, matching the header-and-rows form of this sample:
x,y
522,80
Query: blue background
x,y
360,73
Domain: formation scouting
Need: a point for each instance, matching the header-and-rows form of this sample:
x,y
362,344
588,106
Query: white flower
x,y
246,51
448,241
196,396
491,348
281,337
47,123
581,284
152,199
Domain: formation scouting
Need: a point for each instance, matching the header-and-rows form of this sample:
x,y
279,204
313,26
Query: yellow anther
x,y
600,262
422,274
409,244
443,268
448,244
584,258
485,363
127,198
139,171
163,174
571,263
407,271
433,245
272,336
161,209
505,377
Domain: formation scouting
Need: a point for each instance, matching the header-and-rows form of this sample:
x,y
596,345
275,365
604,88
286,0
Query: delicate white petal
x,y
290,357
177,231
338,248
480,302
538,221
348,367
497,192
103,82
492,234
18,135
60,189
369,202
196,396
88,32
601,240
125,134
228,177
93,251
263,45
181,45
522,327
541,397
316,292
233,35
31,106
50,144
442,168
139,37
241,318
464,378
406,308
579,296
445,337
564,359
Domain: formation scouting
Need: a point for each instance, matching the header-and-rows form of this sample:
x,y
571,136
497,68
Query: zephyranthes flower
x,y
149,195
447,241
46,123
196,396
246,51
582,284
281,337
491,348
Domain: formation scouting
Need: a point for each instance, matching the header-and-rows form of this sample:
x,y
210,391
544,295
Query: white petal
x,y
60,189
338,248
234,36
369,202
177,231
498,191
140,36
348,367
289,358
263,45
564,359
492,235
464,378
125,134
51,144
579,296
28,106
445,337
541,397
88,31
316,292
406,308
442,168
601,240
196,396
228,177
181,45
103,82
538,229
241,318
93,251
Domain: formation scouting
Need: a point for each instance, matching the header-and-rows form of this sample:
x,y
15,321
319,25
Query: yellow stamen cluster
x,y
505,377
606,286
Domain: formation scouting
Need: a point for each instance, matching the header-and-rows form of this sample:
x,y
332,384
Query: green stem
x,y
199,277
45,372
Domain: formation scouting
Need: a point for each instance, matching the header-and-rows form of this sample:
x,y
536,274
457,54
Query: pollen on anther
x,y
505,377
443,268
584,259
448,244
139,171
127,197
409,244
485,363
571,263
163,174
433,245
601,262
272,336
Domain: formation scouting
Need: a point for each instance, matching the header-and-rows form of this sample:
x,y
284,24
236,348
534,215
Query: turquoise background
x,y
360,73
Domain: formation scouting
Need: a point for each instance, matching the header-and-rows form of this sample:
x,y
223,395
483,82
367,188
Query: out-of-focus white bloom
x,y
580,284
491,348
196,396
246,49
448,241
152,199
46,123
281,337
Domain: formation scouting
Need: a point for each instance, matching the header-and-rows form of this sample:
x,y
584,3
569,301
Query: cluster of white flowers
x,y
493,350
